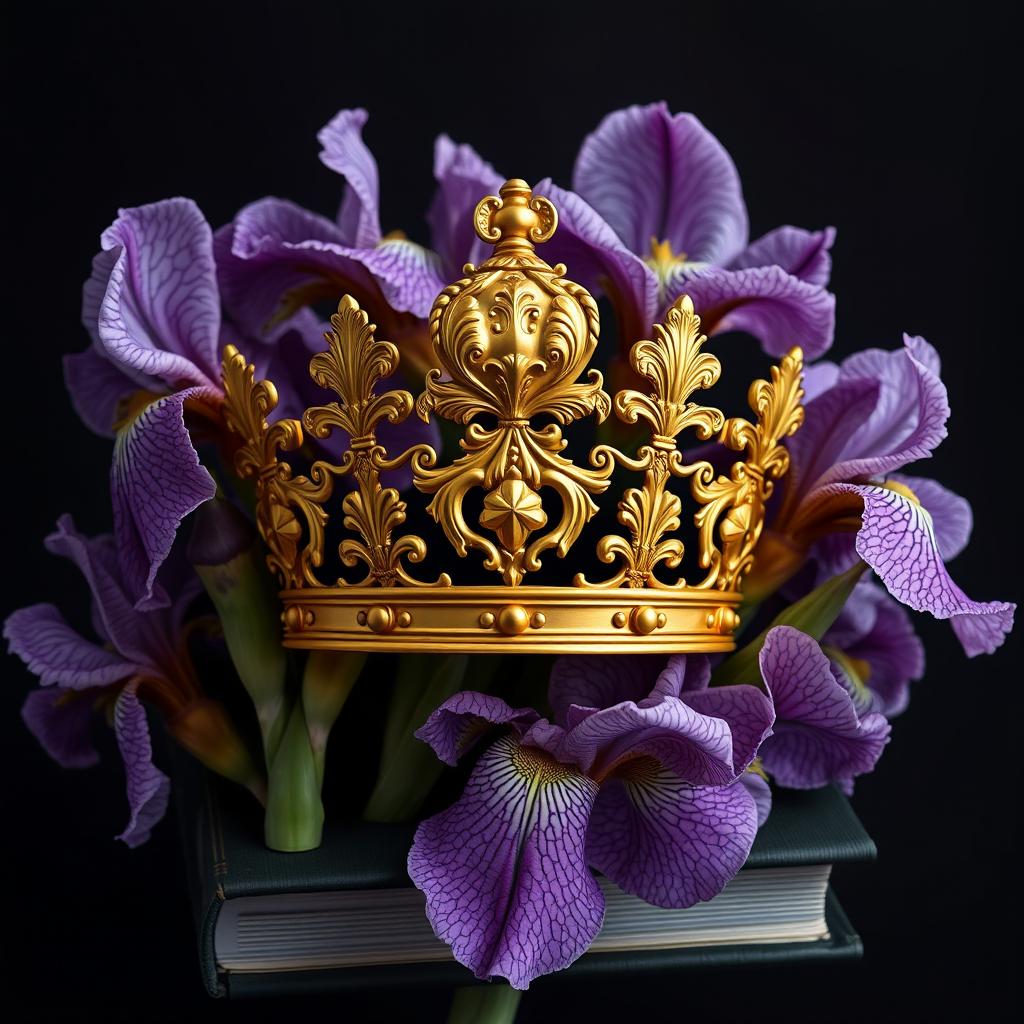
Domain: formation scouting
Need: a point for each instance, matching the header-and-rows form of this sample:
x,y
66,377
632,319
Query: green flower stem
x,y
495,1003
812,615
408,767
326,683
294,819
250,619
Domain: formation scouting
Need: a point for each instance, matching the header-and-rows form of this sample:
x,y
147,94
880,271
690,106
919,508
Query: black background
x,y
894,123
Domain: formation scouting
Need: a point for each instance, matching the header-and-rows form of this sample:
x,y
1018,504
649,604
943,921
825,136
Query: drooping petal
x,y
951,514
818,378
345,152
148,788
897,539
653,175
667,842
456,726
97,387
156,479
598,681
683,674
599,261
463,179
818,737
777,308
761,793
57,654
159,317
503,869
804,254
61,721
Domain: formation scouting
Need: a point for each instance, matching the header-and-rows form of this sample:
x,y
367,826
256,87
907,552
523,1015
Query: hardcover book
x,y
346,915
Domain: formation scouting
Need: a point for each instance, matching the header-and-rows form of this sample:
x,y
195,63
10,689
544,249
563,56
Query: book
x,y
346,915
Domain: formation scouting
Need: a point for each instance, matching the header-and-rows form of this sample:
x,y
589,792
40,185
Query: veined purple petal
x,y
97,387
760,792
155,481
345,152
57,654
159,317
804,254
599,681
60,720
818,378
599,261
653,175
952,518
818,737
897,539
777,308
457,725
463,179
748,712
115,618
503,869
909,418
697,747
148,788
667,842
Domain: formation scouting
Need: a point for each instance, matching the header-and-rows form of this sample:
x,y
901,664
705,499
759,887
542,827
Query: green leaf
x,y
812,615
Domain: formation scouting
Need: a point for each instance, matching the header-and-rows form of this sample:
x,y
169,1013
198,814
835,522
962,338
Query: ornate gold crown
x,y
512,339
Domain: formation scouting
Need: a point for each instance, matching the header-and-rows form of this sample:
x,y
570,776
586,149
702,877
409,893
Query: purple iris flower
x,y
819,735
843,497
657,212
645,791
874,650
152,311
138,654
276,258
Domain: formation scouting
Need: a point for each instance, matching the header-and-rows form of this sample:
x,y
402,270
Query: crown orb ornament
x,y
512,340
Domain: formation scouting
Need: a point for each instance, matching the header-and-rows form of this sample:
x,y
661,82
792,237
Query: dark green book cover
x,y
221,830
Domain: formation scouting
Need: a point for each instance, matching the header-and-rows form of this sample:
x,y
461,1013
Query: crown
x,y
512,341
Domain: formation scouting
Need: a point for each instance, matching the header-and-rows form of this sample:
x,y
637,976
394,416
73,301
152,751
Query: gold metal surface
x,y
512,341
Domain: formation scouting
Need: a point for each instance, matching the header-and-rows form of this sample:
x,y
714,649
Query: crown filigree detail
x,y
512,340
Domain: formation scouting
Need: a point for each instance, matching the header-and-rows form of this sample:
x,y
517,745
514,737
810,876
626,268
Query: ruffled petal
x,y
909,418
156,480
599,681
503,869
457,725
669,843
952,517
818,737
97,387
54,652
598,260
653,175
463,179
897,539
747,711
804,254
148,788
345,152
159,318
777,308
61,721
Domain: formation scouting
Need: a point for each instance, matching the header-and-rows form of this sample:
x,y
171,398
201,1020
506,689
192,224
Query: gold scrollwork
x,y
512,339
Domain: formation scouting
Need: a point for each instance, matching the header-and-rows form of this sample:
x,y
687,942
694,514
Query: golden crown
x,y
512,338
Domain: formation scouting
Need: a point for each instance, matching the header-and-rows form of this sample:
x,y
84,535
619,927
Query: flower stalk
x,y
496,1003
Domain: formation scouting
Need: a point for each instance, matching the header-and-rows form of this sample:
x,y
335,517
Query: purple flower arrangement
x,y
656,773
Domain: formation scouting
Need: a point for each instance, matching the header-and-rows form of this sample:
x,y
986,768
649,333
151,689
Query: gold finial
x,y
515,219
